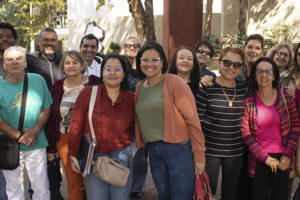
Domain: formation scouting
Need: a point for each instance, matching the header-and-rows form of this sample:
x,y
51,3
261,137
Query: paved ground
x,y
151,192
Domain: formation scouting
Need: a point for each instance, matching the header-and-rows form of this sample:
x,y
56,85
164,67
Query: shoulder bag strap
x,y
23,104
91,107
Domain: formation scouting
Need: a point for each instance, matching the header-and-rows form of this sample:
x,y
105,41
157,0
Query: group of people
x,y
181,117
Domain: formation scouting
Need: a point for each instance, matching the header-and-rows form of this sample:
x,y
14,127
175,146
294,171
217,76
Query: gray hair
x,y
15,48
76,56
273,50
48,29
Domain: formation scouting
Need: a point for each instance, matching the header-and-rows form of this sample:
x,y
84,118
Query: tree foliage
x,y
29,24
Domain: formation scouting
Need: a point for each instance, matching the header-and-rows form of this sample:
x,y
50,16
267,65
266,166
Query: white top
x,y
94,69
66,106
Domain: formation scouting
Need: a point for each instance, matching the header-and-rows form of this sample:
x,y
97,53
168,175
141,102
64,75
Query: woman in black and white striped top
x,y
220,108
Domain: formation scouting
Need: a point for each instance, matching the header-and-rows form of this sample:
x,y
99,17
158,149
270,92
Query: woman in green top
x,y
167,122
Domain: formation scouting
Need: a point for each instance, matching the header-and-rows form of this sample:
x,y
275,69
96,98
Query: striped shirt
x,y
221,124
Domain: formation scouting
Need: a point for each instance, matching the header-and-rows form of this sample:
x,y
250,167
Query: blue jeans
x,y
173,170
97,189
2,187
140,168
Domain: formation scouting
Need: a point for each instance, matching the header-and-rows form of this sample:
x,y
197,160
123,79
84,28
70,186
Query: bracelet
x,y
21,134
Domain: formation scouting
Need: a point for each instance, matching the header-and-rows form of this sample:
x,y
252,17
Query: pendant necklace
x,y
230,101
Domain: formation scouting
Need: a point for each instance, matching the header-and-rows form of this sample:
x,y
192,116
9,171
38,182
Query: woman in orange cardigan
x,y
167,122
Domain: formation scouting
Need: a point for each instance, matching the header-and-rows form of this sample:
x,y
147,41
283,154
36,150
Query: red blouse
x,y
112,122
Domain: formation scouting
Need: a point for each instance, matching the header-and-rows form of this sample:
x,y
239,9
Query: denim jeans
x,y
2,187
140,168
97,189
173,170
231,167
54,182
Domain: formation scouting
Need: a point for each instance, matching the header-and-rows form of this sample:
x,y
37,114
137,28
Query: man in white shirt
x,y
88,48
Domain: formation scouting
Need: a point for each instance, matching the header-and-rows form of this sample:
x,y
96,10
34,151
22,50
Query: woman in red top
x,y
113,115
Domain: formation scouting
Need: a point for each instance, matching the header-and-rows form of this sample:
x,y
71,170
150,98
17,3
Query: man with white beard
x,y
47,62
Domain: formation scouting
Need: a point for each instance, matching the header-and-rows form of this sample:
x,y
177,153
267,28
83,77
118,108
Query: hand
x,y
35,54
199,169
206,81
291,92
273,163
284,163
298,83
29,137
75,164
52,156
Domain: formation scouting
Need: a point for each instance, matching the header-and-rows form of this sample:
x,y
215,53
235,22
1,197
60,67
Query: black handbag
x,y
9,147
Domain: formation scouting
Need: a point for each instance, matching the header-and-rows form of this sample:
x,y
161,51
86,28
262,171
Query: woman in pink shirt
x,y
270,128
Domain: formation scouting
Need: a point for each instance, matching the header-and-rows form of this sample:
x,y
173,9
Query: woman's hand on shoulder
x,y
199,169
206,81
291,92
298,83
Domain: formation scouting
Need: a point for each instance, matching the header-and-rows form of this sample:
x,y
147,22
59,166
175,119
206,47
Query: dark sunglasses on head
x,y
135,46
228,63
201,51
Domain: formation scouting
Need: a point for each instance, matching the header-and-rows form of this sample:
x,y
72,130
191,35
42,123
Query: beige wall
x,y
262,14
117,29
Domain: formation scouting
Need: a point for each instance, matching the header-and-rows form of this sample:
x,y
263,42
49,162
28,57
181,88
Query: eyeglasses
x,y
8,36
201,51
109,69
129,46
260,72
298,54
152,60
280,53
228,63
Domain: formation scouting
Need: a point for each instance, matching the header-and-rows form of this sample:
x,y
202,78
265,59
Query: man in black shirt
x,y
47,62
8,38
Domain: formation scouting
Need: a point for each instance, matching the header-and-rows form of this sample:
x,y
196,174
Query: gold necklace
x,y
230,101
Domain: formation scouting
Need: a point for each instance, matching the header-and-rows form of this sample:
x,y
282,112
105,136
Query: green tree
x,y
142,16
30,16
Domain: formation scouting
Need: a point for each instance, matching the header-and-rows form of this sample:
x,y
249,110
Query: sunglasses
x,y
201,51
129,46
228,63
260,72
